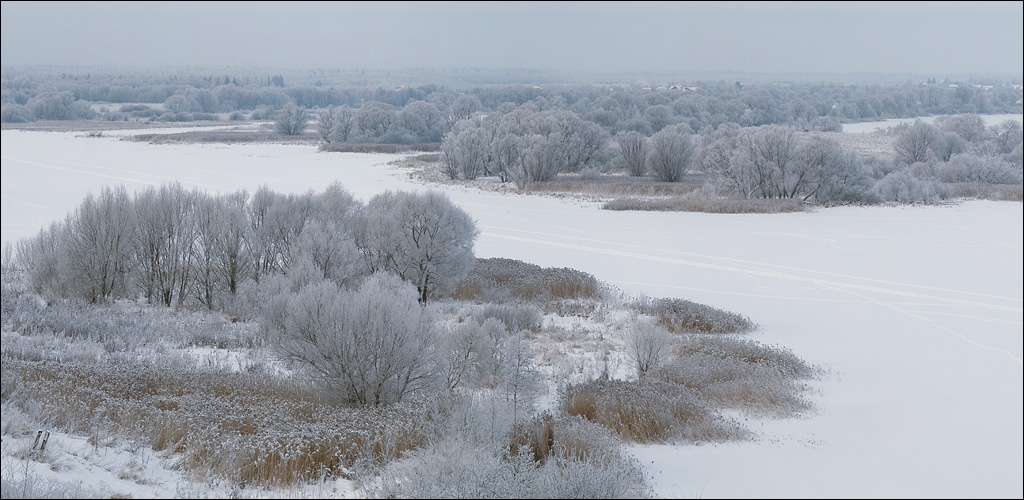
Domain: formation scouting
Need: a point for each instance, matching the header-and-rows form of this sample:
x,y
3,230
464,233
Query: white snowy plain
x,y
874,126
916,311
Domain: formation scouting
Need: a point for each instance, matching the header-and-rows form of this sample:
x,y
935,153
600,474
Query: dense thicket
x,y
388,111
176,246
746,137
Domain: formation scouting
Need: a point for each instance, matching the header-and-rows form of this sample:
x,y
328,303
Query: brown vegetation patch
x,y
605,186
707,205
502,280
249,428
223,137
379,148
649,412
684,316
997,192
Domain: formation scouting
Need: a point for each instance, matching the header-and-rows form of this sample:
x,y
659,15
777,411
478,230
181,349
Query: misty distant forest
x,y
373,345
750,140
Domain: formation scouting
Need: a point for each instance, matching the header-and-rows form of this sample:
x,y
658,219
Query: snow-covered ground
x,y
916,311
863,127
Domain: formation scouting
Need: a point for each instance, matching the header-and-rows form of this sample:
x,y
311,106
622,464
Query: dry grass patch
x,y
606,186
997,192
740,374
224,137
649,412
381,148
564,437
748,351
250,428
684,316
706,205
506,280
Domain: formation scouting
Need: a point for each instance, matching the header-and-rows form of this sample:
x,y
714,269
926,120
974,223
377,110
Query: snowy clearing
x,y
866,127
916,311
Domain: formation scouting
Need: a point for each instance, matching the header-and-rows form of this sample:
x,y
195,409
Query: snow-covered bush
x,y
246,427
373,346
682,316
969,167
515,317
646,344
902,186
579,459
423,238
738,373
647,412
508,280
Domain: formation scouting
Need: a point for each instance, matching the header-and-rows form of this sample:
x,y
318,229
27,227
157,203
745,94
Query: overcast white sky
x,y
772,37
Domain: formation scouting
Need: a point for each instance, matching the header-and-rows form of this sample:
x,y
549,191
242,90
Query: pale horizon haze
x,y
756,37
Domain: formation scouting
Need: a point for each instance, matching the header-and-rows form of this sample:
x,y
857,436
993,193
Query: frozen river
x,y
916,311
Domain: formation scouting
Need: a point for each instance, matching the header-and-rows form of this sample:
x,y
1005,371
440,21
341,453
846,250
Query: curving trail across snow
x,y
915,311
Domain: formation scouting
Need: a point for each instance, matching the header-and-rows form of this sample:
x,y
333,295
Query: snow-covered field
x,y
864,127
916,311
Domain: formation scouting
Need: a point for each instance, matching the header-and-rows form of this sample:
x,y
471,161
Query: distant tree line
x,y
419,113
526,144
746,137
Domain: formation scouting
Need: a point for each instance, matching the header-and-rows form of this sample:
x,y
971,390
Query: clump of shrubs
x,y
509,280
542,457
652,411
739,373
246,427
684,316
706,205
515,317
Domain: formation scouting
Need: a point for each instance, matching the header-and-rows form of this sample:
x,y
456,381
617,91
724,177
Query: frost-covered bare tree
x,y
374,119
526,145
423,238
506,152
335,124
232,242
646,344
970,128
421,121
632,152
724,157
914,144
465,154
772,154
540,158
832,174
373,346
948,145
658,116
671,155
903,187
463,107
58,106
969,167
277,220
205,259
39,257
460,353
221,259
96,245
165,242
584,142
519,376
330,249
325,124
291,120
1007,136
